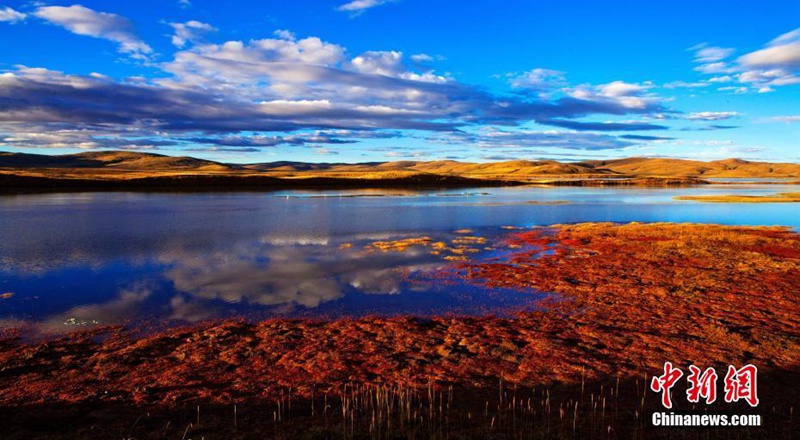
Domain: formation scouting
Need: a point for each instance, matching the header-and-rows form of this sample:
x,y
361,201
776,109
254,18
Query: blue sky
x,y
375,80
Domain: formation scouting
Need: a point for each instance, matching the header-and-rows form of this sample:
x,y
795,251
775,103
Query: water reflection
x,y
77,260
291,276
271,276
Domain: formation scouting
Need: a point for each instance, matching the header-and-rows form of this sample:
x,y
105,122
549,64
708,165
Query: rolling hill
x,y
122,160
124,165
728,168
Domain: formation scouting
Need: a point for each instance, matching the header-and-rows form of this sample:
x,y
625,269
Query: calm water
x,y
77,260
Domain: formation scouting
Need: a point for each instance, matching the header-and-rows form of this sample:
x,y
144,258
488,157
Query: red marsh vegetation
x,y
627,299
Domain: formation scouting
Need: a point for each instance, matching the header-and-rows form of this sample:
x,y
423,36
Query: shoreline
x,y
13,183
190,183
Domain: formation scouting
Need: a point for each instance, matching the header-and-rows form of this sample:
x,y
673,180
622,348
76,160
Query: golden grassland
x,y
734,198
121,165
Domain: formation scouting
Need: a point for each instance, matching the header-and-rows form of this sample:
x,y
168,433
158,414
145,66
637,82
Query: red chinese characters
x,y
665,382
702,384
741,384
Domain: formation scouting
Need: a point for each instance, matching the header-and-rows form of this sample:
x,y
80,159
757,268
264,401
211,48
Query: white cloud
x,y
772,77
785,55
721,79
11,16
734,89
777,64
782,52
422,58
543,81
266,89
789,119
719,67
568,140
711,59
285,63
621,88
379,63
285,107
357,7
191,31
686,85
324,151
84,21
628,95
309,69
710,54
391,63
712,116
284,34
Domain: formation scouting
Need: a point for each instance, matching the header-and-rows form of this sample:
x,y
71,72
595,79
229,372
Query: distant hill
x,y
511,168
730,168
122,160
124,164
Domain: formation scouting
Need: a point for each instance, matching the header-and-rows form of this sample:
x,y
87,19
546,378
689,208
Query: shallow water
x,y
85,259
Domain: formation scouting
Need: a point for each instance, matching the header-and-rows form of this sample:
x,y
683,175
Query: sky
x,y
383,80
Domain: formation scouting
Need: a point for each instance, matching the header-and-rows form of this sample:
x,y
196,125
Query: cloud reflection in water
x,y
272,276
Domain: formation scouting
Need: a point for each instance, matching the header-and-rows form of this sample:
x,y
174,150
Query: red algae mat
x,y
629,298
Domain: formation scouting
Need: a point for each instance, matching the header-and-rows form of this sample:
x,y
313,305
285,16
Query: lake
x,y
77,260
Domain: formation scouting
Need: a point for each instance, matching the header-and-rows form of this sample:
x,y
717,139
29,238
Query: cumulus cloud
x,y
84,21
11,16
393,64
541,81
380,63
40,99
775,65
191,31
627,95
283,91
273,60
